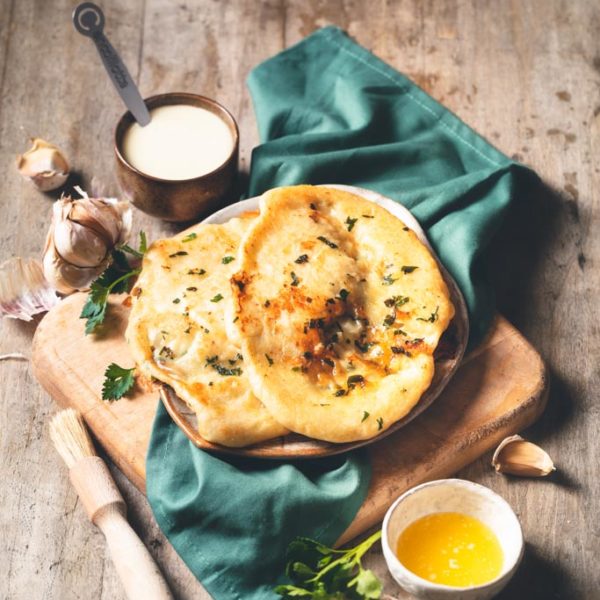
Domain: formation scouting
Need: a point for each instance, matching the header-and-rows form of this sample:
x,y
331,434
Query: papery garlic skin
x,y
24,291
80,240
45,165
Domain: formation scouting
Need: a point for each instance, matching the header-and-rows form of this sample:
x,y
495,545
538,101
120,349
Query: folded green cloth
x,y
328,112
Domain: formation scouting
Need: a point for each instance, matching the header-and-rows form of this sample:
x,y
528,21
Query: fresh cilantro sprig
x,y
321,573
117,278
117,382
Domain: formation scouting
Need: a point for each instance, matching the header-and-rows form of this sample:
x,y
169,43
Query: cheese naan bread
x,y
177,335
339,308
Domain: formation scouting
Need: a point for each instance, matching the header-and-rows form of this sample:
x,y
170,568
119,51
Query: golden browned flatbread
x,y
338,309
177,333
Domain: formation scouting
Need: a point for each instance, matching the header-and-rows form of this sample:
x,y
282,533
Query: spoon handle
x,y
88,19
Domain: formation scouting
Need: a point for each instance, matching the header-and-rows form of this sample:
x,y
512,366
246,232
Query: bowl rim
x,y
476,488
158,100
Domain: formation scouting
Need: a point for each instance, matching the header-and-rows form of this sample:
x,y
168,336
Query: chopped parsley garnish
x,y
323,239
189,237
364,417
343,294
406,269
196,272
400,350
179,253
368,216
354,379
433,317
117,382
295,280
303,258
166,352
389,320
217,298
328,362
396,301
191,289
176,300
220,369
188,329
388,280
313,206
399,332
363,346
269,360
350,223
340,392
379,423
299,369
227,259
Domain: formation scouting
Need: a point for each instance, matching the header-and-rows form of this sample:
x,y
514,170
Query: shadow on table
x,y
537,579
534,244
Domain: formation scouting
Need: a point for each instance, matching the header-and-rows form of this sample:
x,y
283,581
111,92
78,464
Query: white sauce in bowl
x,y
180,142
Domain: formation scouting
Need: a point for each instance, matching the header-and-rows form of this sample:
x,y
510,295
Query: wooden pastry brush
x,y
106,508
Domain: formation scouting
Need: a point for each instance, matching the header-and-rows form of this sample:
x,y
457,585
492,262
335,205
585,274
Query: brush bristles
x,y
70,437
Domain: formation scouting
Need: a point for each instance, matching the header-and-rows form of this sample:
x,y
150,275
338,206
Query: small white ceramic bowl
x,y
452,495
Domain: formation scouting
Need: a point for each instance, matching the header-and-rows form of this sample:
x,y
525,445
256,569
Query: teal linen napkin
x,y
328,112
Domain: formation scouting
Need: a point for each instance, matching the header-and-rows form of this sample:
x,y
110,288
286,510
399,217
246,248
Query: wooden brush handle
x,y
106,508
139,573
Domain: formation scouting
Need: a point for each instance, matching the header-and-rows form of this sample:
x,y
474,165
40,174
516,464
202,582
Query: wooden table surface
x,y
525,74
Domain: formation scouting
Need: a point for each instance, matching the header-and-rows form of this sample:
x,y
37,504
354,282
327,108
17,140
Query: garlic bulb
x,y
23,290
517,456
81,237
45,165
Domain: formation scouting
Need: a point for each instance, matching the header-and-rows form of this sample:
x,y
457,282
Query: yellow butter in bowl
x,y
451,548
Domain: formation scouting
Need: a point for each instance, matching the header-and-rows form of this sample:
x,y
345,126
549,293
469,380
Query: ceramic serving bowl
x,y
184,199
452,495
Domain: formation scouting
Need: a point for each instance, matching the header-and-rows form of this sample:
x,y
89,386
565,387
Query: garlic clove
x,y
67,277
77,243
81,238
517,456
44,164
24,291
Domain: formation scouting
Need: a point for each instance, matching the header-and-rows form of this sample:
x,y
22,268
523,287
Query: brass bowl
x,y
183,199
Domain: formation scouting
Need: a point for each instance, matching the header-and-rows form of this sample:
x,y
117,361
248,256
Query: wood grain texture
x,y
524,74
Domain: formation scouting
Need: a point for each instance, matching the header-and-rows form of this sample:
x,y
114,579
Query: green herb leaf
x,y
117,382
433,317
322,573
217,298
408,269
379,423
343,294
196,272
189,237
350,223
396,301
227,259
388,280
269,360
327,242
179,253
295,280
303,258
365,416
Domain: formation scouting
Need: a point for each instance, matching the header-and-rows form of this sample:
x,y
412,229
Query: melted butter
x,y
180,142
451,549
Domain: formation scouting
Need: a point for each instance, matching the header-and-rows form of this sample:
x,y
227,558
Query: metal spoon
x,y
88,20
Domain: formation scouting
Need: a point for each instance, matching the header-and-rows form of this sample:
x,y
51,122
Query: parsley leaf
x,y
295,280
117,382
406,269
388,280
365,416
323,239
115,279
189,237
319,572
433,317
217,298
350,223
227,259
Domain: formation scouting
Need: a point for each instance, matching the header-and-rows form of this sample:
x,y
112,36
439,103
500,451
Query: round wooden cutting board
x,y
293,446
